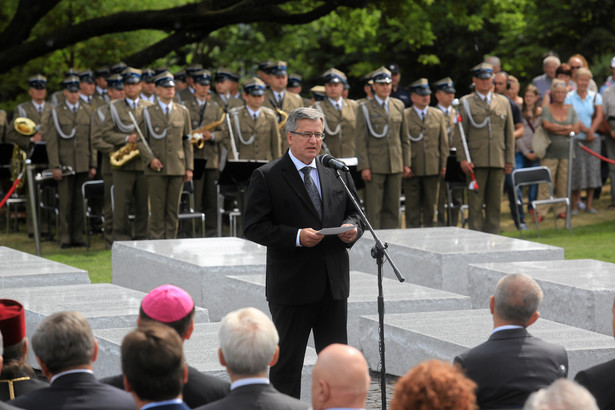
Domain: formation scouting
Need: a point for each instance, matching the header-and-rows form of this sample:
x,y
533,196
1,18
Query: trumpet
x,y
196,137
48,173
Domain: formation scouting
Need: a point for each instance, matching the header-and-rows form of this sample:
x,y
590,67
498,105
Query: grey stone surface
x,y
197,265
577,292
411,338
20,269
201,352
438,257
398,298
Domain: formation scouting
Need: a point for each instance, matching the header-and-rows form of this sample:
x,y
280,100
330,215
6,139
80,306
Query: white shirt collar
x,y
132,102
161,403
164,106
419,112
486,98
444,109
39,107
257,112
380,101
339,101
506,327
300,165
249,380
71,106
55,376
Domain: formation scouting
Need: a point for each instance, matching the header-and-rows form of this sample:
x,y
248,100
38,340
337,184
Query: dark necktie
x,y
423,116
312,190
40,109
167,112
254,117
337,106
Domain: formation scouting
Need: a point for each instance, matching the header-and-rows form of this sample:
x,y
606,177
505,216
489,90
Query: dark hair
x,y
15,362
153,362
565,69
181,326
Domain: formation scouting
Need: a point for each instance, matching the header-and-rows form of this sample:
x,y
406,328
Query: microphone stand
x,y
378,252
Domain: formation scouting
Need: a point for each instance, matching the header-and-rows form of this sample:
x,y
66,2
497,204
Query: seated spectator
x,y
248,347
340,379
505,378
561,395
563,73
17,377
65,348
434,385
154,368
4,406
599,379
543,81
174,307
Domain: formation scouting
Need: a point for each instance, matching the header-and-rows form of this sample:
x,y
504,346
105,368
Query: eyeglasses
x,y
573,67
307,134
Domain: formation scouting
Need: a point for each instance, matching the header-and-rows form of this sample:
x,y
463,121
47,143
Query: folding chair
x,y
228,192
49,201
536,175
186,208
90,190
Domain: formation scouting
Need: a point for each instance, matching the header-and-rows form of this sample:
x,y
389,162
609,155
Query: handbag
x,y
540,142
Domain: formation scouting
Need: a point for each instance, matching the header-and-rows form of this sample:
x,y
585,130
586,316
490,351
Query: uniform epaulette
x,y
268,111
236,109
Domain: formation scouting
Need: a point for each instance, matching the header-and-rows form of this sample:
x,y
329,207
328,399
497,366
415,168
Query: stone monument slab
x,y
411,338
577,292
20,269
438,257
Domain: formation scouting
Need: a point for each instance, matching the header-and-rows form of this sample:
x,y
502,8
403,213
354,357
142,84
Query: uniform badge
x,y
156,129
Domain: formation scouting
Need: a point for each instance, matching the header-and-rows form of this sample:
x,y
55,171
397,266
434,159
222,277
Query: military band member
x,y
235,92
204,112
295,86
368,89
318,93
166,126
383,151
129,182
340,116
445,94
255,127
100,77
118,68
147,85
115,91
488,125
180,80
67,133
185,94
58,96
223,96
263,71
37,110
278,99
429,148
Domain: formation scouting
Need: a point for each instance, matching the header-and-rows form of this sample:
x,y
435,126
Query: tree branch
x,y
28,13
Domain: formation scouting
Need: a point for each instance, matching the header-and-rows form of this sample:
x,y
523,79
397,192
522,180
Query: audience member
x,y
513,87
610,79
505,378
4,406
397,91
524,156
562,394
65,349
609,139
248,347
578,61
563,73
340,379
543,81
495,63
154,368
434,385
586,171
17,377
558,121
599,379
174,307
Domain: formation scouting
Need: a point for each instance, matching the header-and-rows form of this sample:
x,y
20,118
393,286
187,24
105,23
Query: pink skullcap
x,y
167,303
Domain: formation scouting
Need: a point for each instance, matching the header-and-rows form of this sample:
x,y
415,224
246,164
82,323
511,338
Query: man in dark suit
x,y
65,349
173,306
308,283
154,368
248,347
512,364
599,379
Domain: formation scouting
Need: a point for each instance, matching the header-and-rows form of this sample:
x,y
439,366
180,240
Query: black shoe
x,y
78,244
30,235
65,246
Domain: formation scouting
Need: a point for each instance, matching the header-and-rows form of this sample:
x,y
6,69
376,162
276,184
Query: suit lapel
x,y
291,175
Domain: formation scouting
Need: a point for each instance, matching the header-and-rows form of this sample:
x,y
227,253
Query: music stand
x,y
38,154
199,168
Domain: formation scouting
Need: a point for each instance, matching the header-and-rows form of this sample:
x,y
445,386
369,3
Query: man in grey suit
x,y
512,364
248,347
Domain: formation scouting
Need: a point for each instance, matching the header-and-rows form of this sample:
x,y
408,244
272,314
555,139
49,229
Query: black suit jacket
x,y
256,396
510,366
200,389
76,391
599,381
277,206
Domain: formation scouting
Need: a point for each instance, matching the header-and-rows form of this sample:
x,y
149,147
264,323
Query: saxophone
x,y
127,153
196,137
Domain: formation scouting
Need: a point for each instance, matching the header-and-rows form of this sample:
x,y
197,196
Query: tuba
x,y
26,127
196,137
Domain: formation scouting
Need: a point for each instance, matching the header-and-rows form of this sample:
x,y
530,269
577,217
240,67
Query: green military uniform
x,y
68,144
489,130
205,193
288,103
450,117
254,139
168,137
429,148
104,148
227,100
382,147
339,127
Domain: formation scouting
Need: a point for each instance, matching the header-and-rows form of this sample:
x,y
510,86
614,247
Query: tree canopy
x,y
427,38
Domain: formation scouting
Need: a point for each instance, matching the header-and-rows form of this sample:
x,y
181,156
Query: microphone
x,y
330,162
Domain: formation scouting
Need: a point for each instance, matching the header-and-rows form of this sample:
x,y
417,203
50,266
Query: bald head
x,y
516,300
340,378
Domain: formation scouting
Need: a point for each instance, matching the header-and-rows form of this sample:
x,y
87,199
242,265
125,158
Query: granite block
x,y
577,292
20,269
197,265
438,257
411,338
